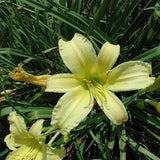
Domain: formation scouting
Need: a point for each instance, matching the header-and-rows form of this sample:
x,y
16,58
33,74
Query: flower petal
x,y
129,76
17,124
18,153
108,56
78,54
26,152
109,103
71,109
40,156
10,142
62,83
112,107
36,128
19,133
56,154
13,141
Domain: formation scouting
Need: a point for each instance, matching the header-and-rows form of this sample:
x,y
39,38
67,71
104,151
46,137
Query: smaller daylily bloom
x,y
92,78
29,145
22,75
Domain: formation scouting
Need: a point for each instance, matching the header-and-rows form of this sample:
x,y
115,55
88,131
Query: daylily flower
x,y
92,78
29,145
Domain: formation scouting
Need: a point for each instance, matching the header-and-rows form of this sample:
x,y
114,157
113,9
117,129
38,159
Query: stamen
x,y
87,81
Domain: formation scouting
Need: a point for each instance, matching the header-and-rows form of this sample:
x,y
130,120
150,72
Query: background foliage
x,y
29,32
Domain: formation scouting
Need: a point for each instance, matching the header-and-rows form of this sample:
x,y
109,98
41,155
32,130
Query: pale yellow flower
x,y
29,145
91,78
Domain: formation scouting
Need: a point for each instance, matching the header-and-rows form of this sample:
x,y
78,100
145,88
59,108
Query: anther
x,y
87,81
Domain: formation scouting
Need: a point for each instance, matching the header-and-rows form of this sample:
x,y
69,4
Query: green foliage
x,y
29,33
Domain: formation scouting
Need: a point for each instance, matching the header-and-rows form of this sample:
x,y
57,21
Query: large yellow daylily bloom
x,y
29,145
91,78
